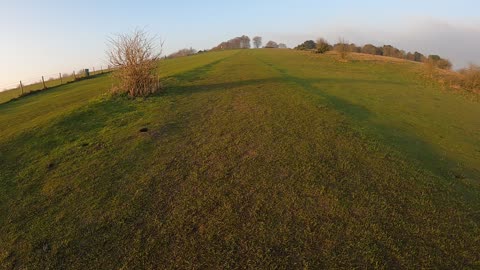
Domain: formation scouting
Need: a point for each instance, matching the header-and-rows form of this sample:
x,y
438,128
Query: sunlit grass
x,y
251,159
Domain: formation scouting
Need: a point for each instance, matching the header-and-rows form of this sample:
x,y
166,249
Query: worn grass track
x,y
252,159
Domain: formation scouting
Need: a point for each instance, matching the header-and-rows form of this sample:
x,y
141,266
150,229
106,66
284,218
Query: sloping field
x,y
250,159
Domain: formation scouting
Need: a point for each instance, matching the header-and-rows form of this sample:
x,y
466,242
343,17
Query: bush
x,y
434,57
369,49
444,64
471,77
435,61
135,56
322,46
418,57
343,48
307,45
271,45
354,48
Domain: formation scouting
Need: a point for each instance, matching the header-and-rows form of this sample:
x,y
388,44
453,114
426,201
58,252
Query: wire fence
x,y
27,86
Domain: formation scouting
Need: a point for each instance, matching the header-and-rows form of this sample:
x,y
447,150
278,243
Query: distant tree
x,y
354,48
369,49
444,64
322,46
410,56
271,45
135,57
257,42
282,46
418,57
437,61
307,45
434,57
183,52
389,50
343,48
242,42
245,42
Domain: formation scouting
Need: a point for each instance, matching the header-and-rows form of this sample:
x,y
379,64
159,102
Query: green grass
x,y
252,159
11,94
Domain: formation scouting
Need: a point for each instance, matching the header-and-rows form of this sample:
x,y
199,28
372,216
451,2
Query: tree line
x,y
466,78
243,42
322,46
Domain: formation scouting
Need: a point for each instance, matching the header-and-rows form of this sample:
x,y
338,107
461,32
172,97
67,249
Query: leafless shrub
x,y
135,57
430,66
343,48
322,46
471,77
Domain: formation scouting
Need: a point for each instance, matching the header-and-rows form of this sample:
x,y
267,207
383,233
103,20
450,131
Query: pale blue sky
x,y
46,37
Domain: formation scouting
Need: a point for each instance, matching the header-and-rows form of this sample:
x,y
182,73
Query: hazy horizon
x,y
52,36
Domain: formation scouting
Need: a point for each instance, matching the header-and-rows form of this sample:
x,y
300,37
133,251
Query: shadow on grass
x,y
410,144
197,73
81,126
197,88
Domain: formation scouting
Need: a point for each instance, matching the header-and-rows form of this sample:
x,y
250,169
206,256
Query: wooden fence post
x,y
74,76
43,81
93,71
60,74
21,86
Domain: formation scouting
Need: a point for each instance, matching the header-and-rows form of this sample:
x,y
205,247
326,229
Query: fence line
x,y
24,87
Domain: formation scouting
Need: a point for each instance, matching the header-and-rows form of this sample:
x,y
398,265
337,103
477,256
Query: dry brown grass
x,y
466,80
471,77
135,55
378,58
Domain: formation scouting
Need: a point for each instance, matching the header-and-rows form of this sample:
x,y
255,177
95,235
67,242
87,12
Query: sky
x,y
47,37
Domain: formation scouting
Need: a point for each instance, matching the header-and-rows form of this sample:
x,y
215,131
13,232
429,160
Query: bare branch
x,y
135,56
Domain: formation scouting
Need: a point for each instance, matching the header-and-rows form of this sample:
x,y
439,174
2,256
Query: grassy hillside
x,y
252,159
10,94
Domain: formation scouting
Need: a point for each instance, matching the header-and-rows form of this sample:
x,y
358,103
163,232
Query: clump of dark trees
x,y
243,42
322,46
183,52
